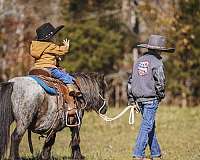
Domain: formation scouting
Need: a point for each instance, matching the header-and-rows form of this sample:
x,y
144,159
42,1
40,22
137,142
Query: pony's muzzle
x,y
103,110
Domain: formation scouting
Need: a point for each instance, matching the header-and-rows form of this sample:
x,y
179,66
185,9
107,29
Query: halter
x,y
104,103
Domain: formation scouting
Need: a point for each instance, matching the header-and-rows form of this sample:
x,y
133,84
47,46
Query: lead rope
x,y
108,119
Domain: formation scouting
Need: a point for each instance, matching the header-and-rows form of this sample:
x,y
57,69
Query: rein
x,y
108,119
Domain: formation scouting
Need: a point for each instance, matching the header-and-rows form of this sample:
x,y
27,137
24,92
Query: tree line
x,y
104,35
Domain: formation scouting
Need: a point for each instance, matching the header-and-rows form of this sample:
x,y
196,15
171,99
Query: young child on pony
x,y
47,54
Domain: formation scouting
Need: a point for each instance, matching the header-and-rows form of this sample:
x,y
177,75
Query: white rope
x,y
131,115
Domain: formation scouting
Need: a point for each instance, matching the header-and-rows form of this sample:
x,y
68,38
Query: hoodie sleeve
x,y
159,77
131,98
37,48
57,50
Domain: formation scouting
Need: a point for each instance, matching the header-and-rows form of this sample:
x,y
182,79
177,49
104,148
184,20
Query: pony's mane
x,y
91,85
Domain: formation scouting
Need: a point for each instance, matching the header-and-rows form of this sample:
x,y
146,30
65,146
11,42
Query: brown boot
x,y
73,90
157,158
134,158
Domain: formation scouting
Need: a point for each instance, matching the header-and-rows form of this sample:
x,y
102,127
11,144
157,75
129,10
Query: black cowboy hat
x,y
156,42
47,31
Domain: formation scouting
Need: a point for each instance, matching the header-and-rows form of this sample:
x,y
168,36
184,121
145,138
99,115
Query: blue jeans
x,y
147,134
61,75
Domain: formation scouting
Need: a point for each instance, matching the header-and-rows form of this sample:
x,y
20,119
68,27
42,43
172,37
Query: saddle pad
x,y
48,89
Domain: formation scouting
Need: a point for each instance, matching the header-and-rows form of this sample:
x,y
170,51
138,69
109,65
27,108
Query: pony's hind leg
x,y
46,150
16,138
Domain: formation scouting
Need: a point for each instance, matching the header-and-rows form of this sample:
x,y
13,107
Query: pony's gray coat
x,y
28,106
24,100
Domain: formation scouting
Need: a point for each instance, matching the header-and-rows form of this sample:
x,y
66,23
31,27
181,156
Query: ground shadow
x,y
52,158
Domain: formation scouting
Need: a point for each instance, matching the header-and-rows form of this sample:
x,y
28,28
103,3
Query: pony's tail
x,y
6,116
30,141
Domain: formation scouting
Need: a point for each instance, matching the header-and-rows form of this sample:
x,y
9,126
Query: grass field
x,y
178,133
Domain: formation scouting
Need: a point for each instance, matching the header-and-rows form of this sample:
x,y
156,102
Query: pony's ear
x,y
103,80
101,76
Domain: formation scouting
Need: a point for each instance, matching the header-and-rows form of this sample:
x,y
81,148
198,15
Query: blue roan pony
x,y
24,101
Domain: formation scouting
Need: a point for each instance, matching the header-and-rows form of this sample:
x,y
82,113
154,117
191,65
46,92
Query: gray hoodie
x,y
147,81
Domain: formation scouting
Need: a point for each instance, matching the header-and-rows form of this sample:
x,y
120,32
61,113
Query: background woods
x,y
103,37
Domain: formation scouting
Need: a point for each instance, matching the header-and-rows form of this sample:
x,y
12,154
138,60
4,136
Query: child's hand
x,y
66,43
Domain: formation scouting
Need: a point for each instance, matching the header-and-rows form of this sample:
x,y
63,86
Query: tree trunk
x,y
183,100
126,13
20,32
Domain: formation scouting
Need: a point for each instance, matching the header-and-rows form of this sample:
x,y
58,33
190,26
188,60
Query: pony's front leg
x,y
75,141
46,150
75,144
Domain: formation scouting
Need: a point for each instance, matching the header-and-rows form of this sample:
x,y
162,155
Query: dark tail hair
x,y
30,141
6,116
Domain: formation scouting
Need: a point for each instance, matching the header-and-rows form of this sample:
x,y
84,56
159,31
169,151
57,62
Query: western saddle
x,y
61,88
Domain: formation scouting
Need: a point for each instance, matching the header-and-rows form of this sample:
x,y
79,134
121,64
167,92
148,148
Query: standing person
x,y
47,55
146,87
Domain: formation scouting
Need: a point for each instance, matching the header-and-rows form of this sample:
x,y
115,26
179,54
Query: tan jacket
x,y
45,53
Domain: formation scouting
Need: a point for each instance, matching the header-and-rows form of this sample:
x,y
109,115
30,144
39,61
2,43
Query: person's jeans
x,y
61,75
147,134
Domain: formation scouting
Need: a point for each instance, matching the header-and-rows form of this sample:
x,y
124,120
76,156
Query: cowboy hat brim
x,y
58,29
163,49
51,35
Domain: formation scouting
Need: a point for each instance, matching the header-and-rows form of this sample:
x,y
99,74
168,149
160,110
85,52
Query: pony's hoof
x,y
41,157
78,157
82,157
16,158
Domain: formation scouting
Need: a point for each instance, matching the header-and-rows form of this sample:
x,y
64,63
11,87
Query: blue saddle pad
x,y
48,89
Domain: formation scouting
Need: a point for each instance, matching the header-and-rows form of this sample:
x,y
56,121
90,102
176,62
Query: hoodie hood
x,y
38,48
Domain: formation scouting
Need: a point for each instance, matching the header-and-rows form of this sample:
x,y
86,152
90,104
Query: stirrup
x,y
76,94
79,94
72,93
73,125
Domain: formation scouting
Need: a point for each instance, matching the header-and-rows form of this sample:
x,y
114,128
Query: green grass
x,y
178,133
